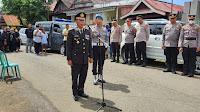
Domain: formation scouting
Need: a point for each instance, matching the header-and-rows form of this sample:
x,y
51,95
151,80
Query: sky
x,y
178,2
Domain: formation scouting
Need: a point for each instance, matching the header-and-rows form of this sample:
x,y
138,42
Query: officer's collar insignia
x,y
177,26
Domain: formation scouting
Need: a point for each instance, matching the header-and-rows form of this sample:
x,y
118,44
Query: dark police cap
x,y
172,15
114,20
191,16
80,16
139,16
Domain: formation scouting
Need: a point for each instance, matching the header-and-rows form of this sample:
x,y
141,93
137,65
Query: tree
x,y
31,10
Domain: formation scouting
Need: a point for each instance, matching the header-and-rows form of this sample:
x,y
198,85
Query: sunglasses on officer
x,y
81,19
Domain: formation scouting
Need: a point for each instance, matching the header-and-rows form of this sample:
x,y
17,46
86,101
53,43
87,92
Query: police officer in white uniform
x,y
99,49
129,31
189,44
115,40
170,39
142,36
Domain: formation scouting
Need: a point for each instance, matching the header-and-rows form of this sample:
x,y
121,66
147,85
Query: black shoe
x,y
144,65
174,72
130,63
83,95
113,60
76,98
117,61
102,81
184,74
138,63
125,62
191,75
26,52
167,70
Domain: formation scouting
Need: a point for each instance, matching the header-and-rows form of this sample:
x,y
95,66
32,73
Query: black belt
x,y
190,38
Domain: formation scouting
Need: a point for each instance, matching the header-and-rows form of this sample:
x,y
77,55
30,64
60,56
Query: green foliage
x,y
31,10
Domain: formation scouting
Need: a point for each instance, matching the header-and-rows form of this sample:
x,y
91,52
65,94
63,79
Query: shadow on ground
x,y
92,104
115,87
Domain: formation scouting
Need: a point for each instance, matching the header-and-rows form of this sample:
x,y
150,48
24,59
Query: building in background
x,y
114,9
59,8
109,9
8,21
192,7
151,9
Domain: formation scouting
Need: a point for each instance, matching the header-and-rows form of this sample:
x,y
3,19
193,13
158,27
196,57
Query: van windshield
x,y
71,26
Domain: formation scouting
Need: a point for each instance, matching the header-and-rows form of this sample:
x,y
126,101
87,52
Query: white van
x,y
154,50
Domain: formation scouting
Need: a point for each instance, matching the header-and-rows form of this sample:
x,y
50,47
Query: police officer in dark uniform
x,y
189,44
170,39
79,49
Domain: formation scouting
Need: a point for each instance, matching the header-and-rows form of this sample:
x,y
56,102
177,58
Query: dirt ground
x,y
19,96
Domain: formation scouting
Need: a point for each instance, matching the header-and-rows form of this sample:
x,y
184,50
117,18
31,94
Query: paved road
x,y
131,88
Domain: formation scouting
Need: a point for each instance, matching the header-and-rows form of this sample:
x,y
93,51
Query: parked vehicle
x,y
23,36
154,50
54,30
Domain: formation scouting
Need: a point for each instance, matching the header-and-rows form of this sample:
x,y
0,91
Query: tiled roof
x,y
104,1
11,20
158,6
163,6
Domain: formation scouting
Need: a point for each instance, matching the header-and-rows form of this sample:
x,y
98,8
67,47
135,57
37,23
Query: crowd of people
x,y
9,40
38,36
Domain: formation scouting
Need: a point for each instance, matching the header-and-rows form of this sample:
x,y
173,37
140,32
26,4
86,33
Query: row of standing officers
x,y
83,44
181,38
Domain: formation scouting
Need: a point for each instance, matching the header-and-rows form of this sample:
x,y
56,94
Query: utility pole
x,y
172,7
47,2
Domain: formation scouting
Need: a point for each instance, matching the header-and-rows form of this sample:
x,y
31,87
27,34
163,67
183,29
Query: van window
x,y
152,28
56,28
46,27
159,29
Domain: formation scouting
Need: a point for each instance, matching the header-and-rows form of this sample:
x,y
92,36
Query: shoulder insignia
x,y
199,29
195,27
177,26
120,28
147,26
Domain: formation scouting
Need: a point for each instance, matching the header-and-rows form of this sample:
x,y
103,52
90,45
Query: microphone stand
x,y
103,103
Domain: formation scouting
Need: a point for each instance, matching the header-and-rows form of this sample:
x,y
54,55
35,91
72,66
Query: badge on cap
x,y
82,15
